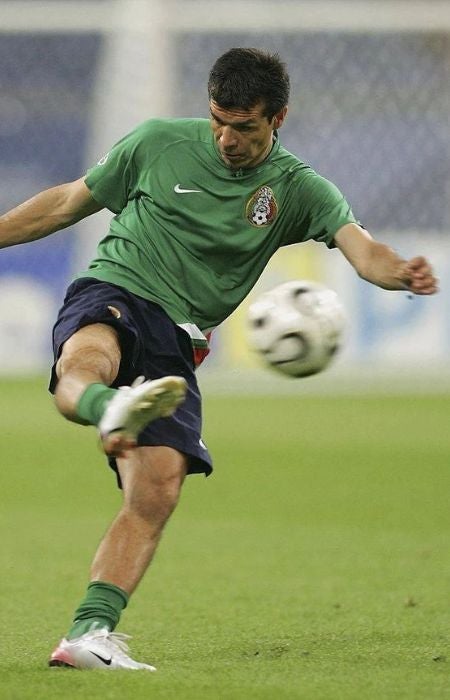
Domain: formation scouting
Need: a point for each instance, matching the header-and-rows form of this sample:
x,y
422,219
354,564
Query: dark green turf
x,y
314,564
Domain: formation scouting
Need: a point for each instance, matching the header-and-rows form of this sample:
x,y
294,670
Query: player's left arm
x,y
379,264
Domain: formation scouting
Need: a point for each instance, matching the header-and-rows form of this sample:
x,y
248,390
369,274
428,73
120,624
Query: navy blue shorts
x,y
152,346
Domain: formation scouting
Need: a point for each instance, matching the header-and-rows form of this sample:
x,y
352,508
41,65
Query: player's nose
x,y
228,138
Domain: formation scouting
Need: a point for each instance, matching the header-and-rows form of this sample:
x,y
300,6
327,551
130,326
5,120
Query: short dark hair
x,y
244,77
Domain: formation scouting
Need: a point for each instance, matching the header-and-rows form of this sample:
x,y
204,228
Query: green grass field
x,y
313,564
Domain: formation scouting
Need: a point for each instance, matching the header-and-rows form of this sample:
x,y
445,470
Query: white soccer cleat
x,y
100,649
133,407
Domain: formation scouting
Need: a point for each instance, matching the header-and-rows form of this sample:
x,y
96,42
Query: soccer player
x,y
199,208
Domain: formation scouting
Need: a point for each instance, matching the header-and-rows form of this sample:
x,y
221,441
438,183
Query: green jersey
x,y
193,235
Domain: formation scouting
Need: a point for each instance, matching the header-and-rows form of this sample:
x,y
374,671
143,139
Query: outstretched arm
x,y
379,264
47,212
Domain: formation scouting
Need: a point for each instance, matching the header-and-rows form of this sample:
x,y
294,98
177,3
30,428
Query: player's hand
x,y
418,277
117,445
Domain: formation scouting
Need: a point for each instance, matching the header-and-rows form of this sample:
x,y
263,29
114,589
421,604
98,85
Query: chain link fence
x,y
368,111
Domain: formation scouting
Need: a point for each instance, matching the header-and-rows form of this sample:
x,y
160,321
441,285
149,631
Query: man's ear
x,y
279,118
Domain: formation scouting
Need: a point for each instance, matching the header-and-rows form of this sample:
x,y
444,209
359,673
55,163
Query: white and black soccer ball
x,y
297,327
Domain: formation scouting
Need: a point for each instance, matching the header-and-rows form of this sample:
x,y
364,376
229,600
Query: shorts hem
x,y
196,464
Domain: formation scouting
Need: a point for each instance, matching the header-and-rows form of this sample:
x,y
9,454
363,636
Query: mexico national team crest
x,y
262,208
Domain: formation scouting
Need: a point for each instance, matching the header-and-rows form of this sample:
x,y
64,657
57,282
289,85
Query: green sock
x,y
101,607
92,403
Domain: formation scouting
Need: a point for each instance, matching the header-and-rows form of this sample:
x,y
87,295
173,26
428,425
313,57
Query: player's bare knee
x,y
93,349
168,490
158,502
153,489
93,359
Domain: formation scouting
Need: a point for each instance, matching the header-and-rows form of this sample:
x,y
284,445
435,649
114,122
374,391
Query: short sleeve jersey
x,y
193,235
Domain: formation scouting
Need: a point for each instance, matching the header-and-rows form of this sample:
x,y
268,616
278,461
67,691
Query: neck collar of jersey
x,y
241,172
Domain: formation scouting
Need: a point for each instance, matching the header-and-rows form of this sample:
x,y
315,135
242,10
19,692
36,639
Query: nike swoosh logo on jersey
x,y
107,662
179,190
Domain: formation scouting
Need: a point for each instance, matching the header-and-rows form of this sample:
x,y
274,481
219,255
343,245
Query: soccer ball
x,y
297,327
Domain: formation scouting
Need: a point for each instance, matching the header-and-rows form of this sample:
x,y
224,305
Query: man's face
x,y
243,137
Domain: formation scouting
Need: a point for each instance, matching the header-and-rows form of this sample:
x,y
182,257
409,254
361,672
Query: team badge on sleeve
x,y
262,207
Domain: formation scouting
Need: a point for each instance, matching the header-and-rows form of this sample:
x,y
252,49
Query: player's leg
x,y
151,345
88,364
151,479
90,356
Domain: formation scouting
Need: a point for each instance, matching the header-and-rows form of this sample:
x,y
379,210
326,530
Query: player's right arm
x,y
47,212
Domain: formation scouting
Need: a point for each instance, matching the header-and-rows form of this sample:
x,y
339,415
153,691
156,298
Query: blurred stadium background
x,y
369,110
